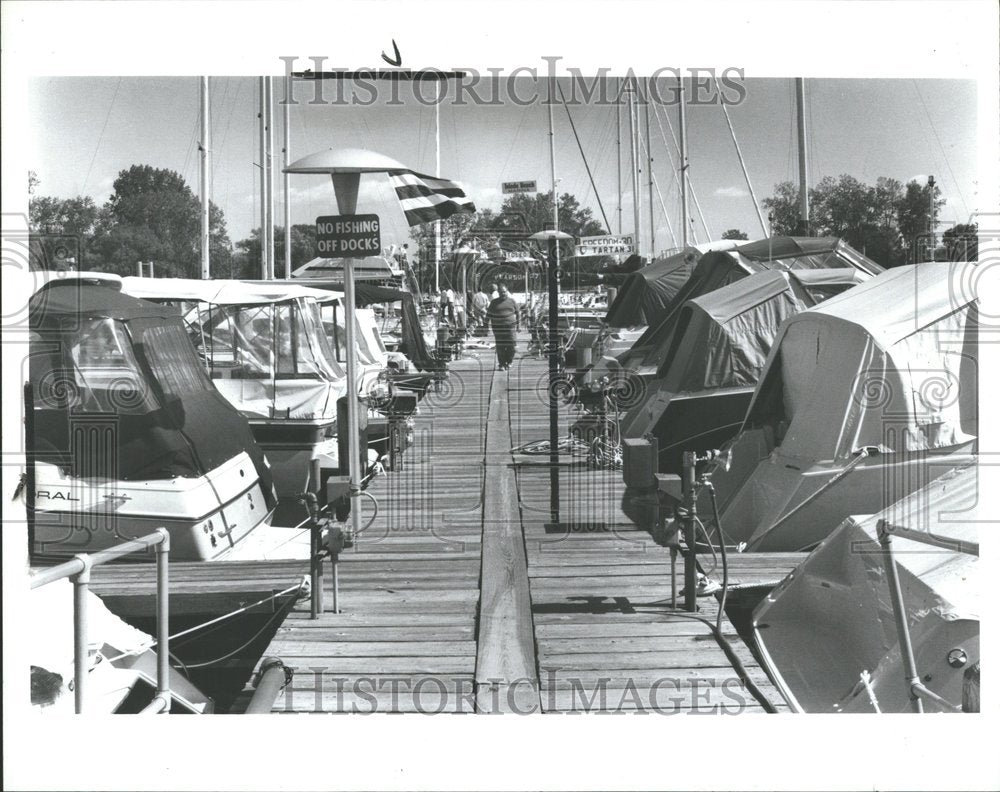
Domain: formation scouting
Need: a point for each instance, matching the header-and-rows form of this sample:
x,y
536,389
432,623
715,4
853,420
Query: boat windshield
x,y
98,372
267,341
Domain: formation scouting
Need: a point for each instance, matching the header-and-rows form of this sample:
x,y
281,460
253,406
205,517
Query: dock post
x,y
334,559
315,545
689,516
553,284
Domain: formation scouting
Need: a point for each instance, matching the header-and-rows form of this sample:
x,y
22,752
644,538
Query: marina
x,y
494,388
532,466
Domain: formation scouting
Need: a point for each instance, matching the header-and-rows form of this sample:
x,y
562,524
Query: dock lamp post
x,y
345,167
553,237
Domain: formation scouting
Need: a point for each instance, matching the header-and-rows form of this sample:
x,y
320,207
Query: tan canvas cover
x,y
832,619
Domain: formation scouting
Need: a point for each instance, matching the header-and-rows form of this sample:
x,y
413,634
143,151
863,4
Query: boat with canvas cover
x,y
718,268
266,351
863,399
708,376
828,633
127,432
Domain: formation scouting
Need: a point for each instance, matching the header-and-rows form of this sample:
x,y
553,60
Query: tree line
x,y
153,215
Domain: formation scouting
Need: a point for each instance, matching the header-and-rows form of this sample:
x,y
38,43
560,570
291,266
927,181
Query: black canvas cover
x,y
721,268
100,358
646,292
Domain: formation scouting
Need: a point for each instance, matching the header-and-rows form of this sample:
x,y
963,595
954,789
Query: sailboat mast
x,y
205,197
618,129
649,169
269,161
633,136
684,163
263,182
286,153
800,95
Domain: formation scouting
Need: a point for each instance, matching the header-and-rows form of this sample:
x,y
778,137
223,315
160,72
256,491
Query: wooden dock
x,y
461,597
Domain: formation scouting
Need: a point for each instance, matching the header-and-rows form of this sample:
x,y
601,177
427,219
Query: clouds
x,y
731,192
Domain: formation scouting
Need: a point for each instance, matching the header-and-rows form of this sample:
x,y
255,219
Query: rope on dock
x,y
151,644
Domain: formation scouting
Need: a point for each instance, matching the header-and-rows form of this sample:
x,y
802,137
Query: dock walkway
x,y
461,597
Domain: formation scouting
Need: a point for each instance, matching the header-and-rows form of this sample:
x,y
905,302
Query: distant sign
x,y
509,188
351,236
605,245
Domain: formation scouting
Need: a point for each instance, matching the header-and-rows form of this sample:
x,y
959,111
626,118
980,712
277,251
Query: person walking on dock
x,y
480,303
503,316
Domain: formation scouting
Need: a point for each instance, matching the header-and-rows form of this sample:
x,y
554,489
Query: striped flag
x,y
425,198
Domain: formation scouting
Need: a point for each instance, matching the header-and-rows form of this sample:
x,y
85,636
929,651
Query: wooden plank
x,y
506,643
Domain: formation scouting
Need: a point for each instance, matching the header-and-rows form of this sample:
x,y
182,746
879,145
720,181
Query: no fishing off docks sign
x,y
348,235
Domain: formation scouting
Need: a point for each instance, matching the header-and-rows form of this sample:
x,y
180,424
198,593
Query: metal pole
x,y
800,92
618,143
345,186
334,560
269,161
437,173
81,630
553,382
353,440
162,551
286,153
682,135
634,160
205,144
899,612
690,514
315,543
263,182
555,191
931,242
649,167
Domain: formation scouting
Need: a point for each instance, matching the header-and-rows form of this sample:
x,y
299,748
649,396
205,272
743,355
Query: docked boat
x,y
718,268
863,399
265,349
708,376
647,292
126,433
829,633
121,660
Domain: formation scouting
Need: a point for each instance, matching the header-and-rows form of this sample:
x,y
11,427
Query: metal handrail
x,y
78,570
915,689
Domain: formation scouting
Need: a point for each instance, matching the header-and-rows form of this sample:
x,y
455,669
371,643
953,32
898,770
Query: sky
x,y
88,129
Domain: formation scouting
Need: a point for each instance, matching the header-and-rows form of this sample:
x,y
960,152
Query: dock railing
x,y
885,530
78,570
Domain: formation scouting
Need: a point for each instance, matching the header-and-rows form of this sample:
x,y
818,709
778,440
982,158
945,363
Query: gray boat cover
x,y
832,619
720,268
646,292
723,338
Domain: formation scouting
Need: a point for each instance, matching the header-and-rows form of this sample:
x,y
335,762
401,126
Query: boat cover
x,y
890,365
646,292
716,269
832,618
412,343
100,355
723,337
